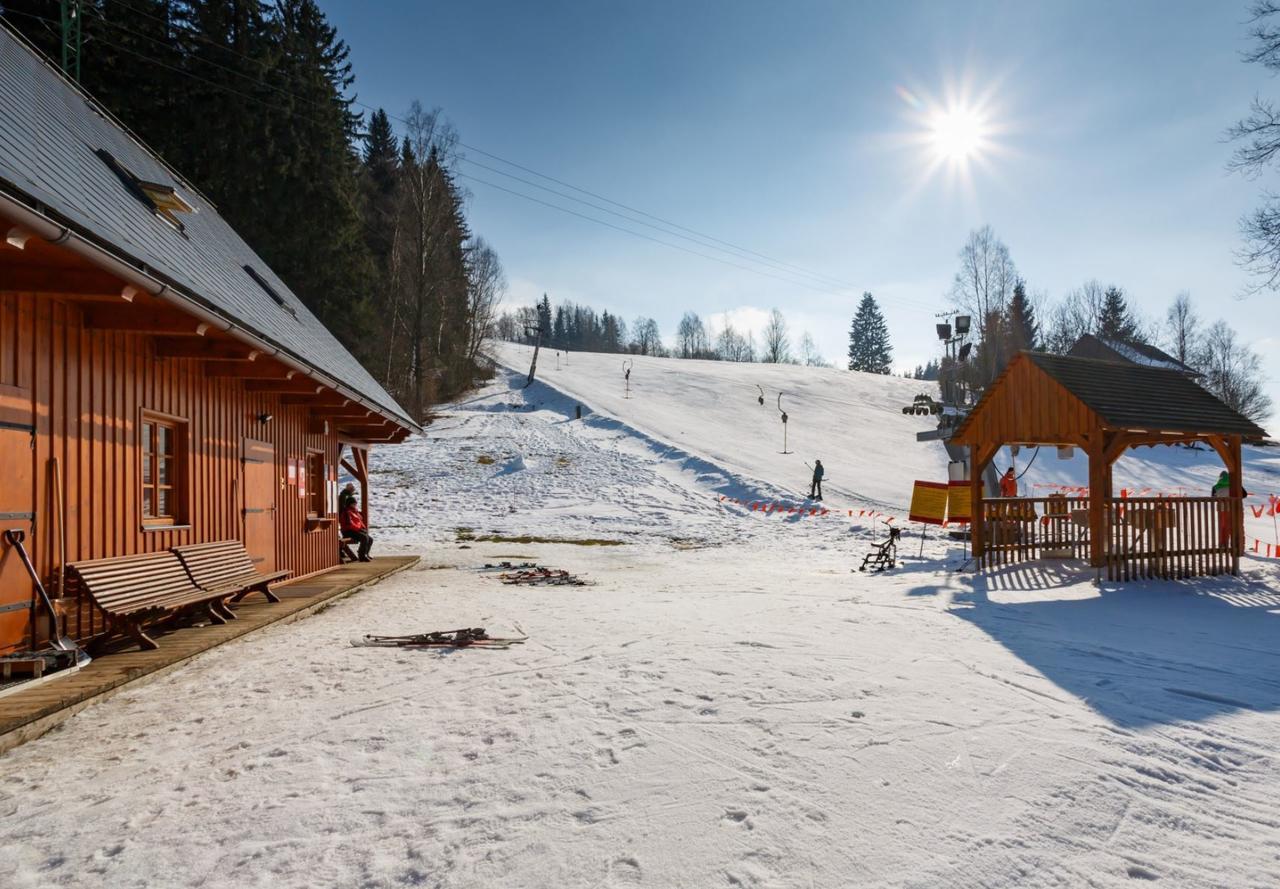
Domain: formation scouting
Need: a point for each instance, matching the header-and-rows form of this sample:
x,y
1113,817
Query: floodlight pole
x,y
71,41
627,364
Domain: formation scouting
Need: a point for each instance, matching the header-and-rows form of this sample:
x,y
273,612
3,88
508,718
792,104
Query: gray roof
x,y
49,132
1135,396
1090,346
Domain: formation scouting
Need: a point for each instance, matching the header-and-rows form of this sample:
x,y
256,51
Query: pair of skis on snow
x,y
466,637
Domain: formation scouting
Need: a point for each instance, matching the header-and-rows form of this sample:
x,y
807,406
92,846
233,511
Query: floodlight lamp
x,y
965,350
962,325
944,331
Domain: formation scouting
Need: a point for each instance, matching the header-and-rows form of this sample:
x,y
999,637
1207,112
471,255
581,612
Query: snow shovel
x,y
14,538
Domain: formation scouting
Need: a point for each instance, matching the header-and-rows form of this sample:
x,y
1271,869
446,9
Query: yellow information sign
x,y
929,503
959,503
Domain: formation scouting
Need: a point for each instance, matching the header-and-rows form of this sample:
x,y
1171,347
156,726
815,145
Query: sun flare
x,y
956,133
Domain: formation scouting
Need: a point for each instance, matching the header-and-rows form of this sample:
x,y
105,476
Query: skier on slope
x,y
815,486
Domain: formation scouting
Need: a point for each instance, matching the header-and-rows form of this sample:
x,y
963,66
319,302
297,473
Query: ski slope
x,y
853,422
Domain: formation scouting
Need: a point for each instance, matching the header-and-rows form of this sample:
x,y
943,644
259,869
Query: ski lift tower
x,y
535,333
955,405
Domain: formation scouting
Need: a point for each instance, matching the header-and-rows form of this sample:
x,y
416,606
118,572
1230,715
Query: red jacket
x,y
350,519
1008,486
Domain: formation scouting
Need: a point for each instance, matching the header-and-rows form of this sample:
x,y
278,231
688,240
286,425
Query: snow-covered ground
x,y
727,705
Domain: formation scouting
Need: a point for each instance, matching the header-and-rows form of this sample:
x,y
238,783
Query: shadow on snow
x,y
1141,653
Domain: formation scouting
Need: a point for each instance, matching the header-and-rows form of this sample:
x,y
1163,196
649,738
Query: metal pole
x,y
71,39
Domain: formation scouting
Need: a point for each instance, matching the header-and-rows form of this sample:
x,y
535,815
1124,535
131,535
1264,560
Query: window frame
x,y
149,424
317,469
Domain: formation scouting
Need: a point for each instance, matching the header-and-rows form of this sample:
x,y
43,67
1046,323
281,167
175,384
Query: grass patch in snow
x,y
528,538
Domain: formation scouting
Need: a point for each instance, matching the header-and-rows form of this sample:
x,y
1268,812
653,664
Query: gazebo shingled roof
x,y
1128,396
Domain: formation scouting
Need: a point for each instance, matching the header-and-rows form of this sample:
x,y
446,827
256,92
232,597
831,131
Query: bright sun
x,y
957,133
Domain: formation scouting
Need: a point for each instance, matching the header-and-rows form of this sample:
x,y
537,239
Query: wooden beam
x,y
142,320
341,413
209,349
249,370
61,281
320,399
296,385
367,433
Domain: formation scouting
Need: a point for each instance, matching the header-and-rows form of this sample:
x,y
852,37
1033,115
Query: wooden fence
x,y
1170,537
1143,537
1022,528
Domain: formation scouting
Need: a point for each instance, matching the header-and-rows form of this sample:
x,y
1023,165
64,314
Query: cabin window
x,y
162,473
316,479
162,200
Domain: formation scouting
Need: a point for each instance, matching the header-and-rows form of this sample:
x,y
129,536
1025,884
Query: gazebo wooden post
x,y
1231,456
979,456
1099,494
1228,448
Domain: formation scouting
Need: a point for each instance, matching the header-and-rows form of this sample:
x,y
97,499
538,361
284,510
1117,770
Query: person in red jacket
x,y
354,529
1008,484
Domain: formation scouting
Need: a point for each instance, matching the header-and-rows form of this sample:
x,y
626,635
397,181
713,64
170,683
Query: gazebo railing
x,y
1170,537
1017,529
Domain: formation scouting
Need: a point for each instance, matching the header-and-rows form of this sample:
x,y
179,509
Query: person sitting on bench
x,y
353,528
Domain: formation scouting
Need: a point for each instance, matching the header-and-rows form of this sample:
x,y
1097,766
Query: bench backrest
x,y
131,582
213,563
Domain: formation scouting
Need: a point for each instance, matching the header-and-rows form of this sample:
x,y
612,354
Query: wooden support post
x,y
1237,501
1099,494
979,457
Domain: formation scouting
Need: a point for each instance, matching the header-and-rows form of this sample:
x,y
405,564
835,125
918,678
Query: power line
x,y
789,267
785,268
826,289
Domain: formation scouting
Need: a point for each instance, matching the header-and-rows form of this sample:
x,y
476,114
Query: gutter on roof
x,y
57,233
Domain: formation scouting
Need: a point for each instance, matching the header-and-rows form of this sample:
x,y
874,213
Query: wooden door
x,y
259,486
17,511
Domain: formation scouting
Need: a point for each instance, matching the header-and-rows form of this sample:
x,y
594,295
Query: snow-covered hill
x,y
853,422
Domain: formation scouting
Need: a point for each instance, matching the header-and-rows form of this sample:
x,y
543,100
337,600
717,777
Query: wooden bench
x,y
344,551
225,566
133,590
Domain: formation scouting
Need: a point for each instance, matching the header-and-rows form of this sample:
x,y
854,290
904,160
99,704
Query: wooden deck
x,y
29,713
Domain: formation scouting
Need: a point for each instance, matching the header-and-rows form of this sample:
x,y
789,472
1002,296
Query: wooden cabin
x,y
159,385
1104,408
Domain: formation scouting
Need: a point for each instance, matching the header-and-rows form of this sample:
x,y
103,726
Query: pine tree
x,y
544,316
869,348
1114,321
1023,330
379,165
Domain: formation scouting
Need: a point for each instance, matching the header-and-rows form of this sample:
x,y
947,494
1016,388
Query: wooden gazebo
x,y
1105,408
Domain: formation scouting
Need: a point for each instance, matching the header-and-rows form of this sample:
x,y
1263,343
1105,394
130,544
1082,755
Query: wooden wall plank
x,y
89,387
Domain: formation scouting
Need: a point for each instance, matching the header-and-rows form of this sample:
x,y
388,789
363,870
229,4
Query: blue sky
x,y
787,129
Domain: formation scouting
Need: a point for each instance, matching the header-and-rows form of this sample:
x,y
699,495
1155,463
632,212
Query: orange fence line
x,y
775,507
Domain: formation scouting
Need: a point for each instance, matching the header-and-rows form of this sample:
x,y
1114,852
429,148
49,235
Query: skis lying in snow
x,y
542,577
467,637
507,566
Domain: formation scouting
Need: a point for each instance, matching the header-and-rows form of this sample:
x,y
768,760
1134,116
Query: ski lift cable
x,y
1028,466
828,291
717,243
